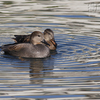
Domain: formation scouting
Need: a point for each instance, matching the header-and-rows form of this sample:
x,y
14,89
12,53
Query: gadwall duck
x,y
34,49
48,35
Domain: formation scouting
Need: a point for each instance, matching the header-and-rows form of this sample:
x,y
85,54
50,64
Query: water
x,y
71,74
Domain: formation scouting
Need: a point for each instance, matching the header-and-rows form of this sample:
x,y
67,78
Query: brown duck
x,y
48,35
34,49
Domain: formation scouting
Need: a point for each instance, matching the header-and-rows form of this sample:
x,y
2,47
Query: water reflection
x,y
73,73
74,67
39,69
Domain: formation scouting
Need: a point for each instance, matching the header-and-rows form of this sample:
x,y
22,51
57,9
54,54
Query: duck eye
x,y
38,35
48,33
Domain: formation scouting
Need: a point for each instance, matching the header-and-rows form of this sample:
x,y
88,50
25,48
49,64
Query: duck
x,y
48,35
36,48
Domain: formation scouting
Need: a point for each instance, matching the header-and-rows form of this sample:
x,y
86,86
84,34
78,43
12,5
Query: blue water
x,y
70,73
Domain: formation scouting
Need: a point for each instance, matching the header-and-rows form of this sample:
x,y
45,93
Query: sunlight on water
x,y
73,73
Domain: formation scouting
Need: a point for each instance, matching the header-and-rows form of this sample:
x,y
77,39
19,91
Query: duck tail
x,y
14,40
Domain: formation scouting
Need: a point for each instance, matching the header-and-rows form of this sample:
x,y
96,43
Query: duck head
x,y
37,38
49,37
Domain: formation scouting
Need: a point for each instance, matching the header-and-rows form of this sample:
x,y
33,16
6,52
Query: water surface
x,y
71,74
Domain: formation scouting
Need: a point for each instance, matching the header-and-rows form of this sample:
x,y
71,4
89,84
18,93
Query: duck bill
x,y
54,42
45,42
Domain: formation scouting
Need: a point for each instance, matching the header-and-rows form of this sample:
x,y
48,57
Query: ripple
x,y
74,16
73,72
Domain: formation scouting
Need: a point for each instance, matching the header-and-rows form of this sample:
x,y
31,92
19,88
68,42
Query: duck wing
x,y
21,38
12,47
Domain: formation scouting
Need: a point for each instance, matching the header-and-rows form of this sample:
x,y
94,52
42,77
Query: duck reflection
x,y
40,68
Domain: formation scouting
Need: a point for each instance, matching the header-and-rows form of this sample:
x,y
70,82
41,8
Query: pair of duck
x,y
35,45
